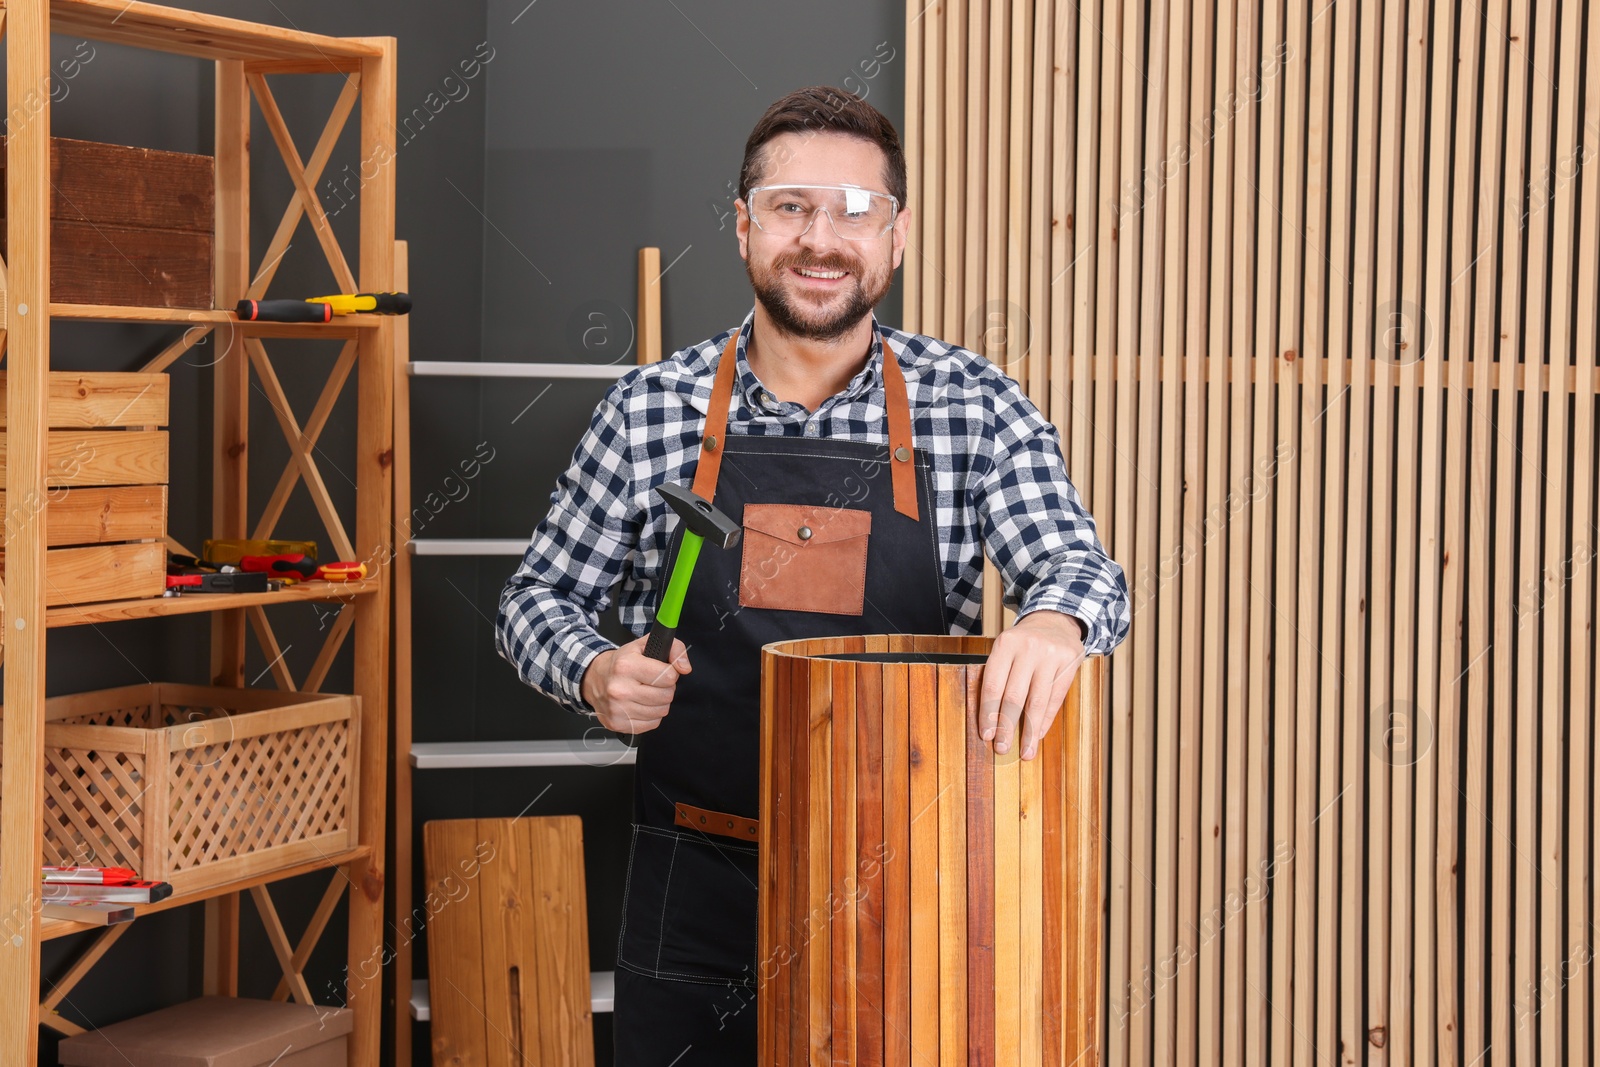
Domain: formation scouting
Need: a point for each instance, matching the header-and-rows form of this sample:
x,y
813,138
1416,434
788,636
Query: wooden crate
x,y
130,226
105,513
922,900
197,785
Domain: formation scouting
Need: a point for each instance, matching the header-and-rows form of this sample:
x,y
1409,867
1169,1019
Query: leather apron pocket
x,y
803,558
689,909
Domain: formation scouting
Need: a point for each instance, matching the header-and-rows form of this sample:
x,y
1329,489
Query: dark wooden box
x,y
128,226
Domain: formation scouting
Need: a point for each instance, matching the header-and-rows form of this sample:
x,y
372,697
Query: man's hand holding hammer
x,y
631,687
629,691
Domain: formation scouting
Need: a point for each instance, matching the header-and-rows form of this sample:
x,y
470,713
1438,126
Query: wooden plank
x,y
192,33
952,781
911,140
819,816
976,249
455,944
94,572
796,974
1514,964
928,25
1540,1021
507,919
1215,804
124,186
1583,826
402,860
1381,1024
95,515
1062,278
1564,926
374,528
778,867
1336,968
649,350
846,879
1487,959
101,457
85,400
870,837
953,84
897,863
100,263
1457,660
981,887
1306,266
922,858
558,922
1015,103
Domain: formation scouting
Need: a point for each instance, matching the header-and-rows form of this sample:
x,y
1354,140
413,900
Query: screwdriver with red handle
x,y
296,567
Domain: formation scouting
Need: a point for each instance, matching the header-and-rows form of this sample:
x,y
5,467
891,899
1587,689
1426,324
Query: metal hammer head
x,y
700,515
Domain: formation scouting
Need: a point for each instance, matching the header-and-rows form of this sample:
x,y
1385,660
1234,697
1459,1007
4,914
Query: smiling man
x,y
870,469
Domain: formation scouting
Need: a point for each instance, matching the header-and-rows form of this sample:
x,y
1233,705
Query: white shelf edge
x,y
602,995
468,546
460,368
476,755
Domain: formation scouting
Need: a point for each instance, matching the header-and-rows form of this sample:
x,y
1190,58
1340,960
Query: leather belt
x,y
716,822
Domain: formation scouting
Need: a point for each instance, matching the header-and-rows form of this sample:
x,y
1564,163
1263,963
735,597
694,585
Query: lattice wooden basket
x,y
196,785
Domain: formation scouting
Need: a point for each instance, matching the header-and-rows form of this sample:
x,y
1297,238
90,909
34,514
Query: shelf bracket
x,y
75,974
287,956
301,442
305,176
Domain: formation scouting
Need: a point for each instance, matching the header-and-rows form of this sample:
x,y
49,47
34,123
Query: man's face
x,y
820,309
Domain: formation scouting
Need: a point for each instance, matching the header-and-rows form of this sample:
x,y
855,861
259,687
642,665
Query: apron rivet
x,y
804,533
711,443
902,454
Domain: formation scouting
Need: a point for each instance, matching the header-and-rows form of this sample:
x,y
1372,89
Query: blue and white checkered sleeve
x,y
1037,530
551,605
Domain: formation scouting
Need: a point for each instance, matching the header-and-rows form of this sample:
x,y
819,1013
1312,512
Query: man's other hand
x,y
1026,678
629,691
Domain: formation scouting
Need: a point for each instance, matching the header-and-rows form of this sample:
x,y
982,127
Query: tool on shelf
x,y
701,520
222,582
89,875
218,551
295,566
323,308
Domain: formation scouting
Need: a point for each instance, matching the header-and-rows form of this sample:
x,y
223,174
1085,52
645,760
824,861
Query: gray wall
x,y
595,127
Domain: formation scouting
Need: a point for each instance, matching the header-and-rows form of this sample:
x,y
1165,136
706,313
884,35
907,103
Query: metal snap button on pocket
x,y
804,533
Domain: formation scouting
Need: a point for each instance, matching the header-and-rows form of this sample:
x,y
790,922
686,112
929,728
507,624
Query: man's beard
x,y
791,318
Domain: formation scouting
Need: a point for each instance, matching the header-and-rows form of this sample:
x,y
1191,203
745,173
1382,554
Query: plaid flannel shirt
x,y
998,481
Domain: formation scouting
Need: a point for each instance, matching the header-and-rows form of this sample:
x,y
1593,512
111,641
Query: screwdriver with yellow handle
x,y
323,308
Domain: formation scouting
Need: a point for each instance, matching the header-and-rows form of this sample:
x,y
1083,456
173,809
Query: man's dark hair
x,y
823,109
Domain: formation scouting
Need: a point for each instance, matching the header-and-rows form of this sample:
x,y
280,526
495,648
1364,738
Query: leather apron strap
x,y
902,470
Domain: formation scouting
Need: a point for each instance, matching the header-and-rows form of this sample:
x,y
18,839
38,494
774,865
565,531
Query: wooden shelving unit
x,y
242,53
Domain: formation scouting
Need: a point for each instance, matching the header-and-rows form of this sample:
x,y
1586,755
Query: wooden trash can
x,y
922,900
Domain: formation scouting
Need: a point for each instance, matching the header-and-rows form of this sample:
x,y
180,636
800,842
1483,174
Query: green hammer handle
x,y
659,645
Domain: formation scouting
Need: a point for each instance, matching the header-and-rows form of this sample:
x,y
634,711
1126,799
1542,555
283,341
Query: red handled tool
x,y
296,567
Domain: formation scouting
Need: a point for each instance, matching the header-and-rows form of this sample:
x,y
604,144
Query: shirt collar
x,y
866,379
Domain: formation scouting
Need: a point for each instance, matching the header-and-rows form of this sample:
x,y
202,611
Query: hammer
x,y
701,521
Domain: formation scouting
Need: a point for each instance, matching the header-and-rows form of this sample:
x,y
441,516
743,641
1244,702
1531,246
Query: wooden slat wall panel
x,y
1309,291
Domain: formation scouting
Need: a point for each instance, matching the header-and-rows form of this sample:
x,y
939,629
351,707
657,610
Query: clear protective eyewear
x,y
856,214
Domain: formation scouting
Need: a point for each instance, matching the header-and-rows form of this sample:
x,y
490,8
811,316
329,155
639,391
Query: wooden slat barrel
x,y
923,902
